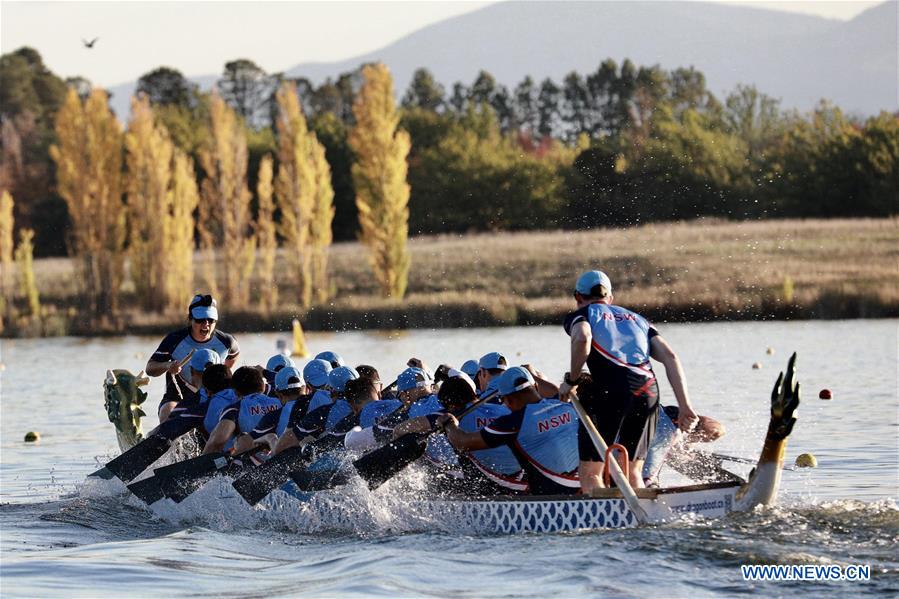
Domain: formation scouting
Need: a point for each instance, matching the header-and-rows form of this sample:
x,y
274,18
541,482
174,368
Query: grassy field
x,y
699,270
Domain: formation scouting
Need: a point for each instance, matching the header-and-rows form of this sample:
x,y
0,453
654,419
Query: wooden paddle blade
x,y
147,490
134,461
378,466
183,478
255,484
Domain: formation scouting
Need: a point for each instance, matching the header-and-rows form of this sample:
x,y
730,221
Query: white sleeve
x,y
360,439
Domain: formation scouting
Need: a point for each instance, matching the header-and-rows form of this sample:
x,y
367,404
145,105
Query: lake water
x,y
60,537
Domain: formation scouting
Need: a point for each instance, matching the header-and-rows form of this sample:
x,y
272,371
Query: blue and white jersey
x,y
217,404
543,438
377,409
498,464
666,435
178,344
339,411
247,413
439,449
320,398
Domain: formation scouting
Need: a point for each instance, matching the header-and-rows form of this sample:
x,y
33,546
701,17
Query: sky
x,y
198,37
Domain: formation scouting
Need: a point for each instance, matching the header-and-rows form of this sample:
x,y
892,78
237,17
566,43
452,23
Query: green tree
x,y
424,92
249,90
379,175
167,86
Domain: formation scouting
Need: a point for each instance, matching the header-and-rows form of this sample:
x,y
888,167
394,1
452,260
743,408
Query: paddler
x,y
322,417
200,333
245,414
673,447
622,394
541,433
316,375
291,391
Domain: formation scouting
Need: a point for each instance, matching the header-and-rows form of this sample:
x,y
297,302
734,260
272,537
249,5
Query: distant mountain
x,y
797,58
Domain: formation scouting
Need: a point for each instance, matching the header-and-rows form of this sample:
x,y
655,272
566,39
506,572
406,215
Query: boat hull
x,y
517,514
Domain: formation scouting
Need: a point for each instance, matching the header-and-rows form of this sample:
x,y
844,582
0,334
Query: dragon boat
x,y
517,514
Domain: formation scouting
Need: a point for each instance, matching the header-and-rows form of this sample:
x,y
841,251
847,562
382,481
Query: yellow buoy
x,y
32,437
806,460
770,351
299,340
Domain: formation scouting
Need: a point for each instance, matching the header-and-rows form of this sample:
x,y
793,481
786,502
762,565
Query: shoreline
x,y
694,271
454,315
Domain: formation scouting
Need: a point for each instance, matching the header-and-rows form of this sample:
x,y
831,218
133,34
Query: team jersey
x,y
313,423
320,398
216,405
178,344
281,419
439,450
247,412
338,412
377,409
497,464
543,438
619,348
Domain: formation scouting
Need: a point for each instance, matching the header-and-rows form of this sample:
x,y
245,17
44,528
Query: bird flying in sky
x,y
89,44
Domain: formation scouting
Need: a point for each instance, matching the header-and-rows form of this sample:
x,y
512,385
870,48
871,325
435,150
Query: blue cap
x,y
411,378
277,362
470,368
514,380
332,357
203,306
203,358
338,377
590,279
288,378
316,372
493,360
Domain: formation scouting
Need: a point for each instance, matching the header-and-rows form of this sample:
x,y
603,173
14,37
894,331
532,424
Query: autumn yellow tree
x,y
295,187
25,260
266,240
88,156
179,231
379,176
6,253
149,162
225,220
322,216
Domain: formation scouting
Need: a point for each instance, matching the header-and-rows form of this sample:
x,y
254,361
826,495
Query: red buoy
x,y
825,394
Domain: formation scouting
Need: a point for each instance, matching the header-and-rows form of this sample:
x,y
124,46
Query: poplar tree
x,y
379,176
295,188
323,215
6,252
149,161
179,231
25,260
265,236
6,228
88,155
225,220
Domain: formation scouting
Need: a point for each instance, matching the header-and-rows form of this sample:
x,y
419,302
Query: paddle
x,y
134,461
178,481
630,497
255,484
147,490
380,465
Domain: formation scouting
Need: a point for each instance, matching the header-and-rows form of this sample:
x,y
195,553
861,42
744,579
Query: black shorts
x,y
625,417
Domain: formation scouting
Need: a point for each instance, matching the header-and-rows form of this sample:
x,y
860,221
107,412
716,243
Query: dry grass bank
x,y
696,270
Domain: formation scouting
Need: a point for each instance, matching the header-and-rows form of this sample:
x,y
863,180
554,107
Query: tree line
x,y
621,145
135,197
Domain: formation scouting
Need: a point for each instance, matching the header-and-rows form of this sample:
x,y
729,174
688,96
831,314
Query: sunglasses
x,y
204,320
